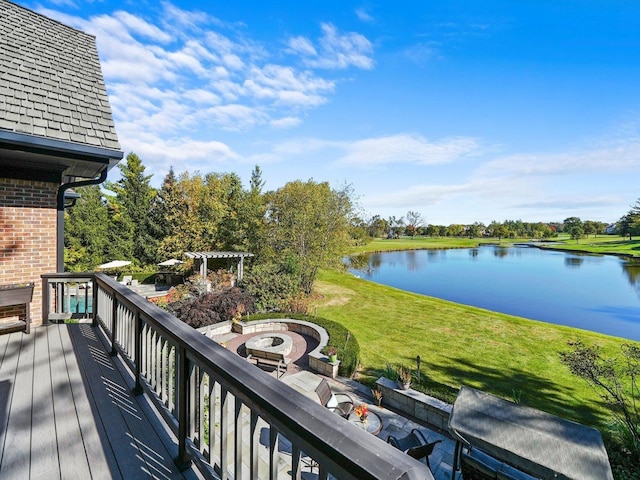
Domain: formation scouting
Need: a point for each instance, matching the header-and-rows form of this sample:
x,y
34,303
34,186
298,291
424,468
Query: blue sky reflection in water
x,y
598,293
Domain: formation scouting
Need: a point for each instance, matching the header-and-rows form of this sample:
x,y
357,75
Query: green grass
x,y
417,243
602,244
506,355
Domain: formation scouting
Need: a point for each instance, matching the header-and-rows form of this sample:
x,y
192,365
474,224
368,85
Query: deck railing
x,y
65,297
230,418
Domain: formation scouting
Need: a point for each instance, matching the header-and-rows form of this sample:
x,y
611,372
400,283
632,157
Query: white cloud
x,y
335,51
140,26
301,46
607,155
160,153
175,70
191,20
408,149
285,122
363,15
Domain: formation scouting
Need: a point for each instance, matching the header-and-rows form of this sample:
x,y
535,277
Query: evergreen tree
x,y
133,230
254,212
86,232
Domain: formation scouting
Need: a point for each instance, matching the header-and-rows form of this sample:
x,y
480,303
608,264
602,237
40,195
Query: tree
x,y
308,226
130,208
414,222
377,226
590,227
614,381
254,211
86,232
166,207
574,227
630,223
431,230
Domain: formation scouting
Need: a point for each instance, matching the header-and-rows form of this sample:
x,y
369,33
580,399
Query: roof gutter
x,y
50,146
60,219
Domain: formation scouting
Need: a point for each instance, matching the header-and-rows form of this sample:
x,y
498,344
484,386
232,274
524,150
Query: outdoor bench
x,y
14,296
271,359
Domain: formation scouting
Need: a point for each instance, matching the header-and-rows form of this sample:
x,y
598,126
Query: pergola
x,y
203,258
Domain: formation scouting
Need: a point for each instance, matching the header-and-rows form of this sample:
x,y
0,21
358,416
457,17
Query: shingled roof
x,y
51,84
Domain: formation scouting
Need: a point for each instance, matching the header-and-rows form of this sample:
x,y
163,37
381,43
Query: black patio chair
x,y
415,444
423,451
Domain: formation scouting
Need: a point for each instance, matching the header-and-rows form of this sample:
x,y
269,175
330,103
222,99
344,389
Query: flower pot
x,y
404,386
333,358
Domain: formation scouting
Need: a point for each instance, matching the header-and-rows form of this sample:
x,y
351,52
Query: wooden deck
x,y
66,411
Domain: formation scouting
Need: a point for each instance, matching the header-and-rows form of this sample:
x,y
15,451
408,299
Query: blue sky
x,y
463,111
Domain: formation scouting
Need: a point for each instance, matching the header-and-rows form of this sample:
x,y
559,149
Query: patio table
x,y
373,424
536,442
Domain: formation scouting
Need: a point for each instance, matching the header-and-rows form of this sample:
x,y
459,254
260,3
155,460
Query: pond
x,y
600,293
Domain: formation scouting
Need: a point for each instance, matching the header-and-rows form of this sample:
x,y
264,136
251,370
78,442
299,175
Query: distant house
x,y
611,229
56,133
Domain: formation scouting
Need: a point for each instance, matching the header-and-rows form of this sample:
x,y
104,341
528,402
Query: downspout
x,y
60,219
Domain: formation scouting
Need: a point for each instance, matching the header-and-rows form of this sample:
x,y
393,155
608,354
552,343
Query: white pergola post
x,y
240,268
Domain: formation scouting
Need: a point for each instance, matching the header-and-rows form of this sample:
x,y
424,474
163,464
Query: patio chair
x,y
126,280
340,404
423,451
414,444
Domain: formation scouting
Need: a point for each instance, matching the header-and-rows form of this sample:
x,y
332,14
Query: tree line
x,y
293,231
413,224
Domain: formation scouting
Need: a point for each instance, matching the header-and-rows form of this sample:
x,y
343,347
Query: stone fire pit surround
x,y
318,361
269,343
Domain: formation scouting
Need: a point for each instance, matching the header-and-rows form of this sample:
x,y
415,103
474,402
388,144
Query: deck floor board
x,y
66,411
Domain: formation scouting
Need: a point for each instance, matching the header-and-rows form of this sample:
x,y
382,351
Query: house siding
x,y
27,239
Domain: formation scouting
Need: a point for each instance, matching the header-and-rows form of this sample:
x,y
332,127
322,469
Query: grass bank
x,y
604,244
509,356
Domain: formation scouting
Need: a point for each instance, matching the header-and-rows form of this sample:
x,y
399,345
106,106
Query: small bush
x,y
348,350
213,307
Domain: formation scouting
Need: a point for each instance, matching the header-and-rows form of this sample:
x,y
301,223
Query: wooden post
x,y
183,460
94,308
137,389
46,301
114,324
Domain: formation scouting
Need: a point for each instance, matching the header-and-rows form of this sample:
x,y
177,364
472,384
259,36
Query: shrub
x,y
213,307
615,382
273,287
340,338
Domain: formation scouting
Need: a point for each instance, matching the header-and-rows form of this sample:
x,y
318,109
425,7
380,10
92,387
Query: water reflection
x,y
632,271
565,288
573,261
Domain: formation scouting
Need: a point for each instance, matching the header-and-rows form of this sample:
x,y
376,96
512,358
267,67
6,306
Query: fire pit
x,y
263,345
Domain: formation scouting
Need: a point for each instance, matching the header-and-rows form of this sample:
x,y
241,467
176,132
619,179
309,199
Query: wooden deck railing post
x,y
94,308
46,301
114,324
137,389
183,460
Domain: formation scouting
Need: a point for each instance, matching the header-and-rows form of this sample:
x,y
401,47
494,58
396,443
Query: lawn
x,y
512,357
601,245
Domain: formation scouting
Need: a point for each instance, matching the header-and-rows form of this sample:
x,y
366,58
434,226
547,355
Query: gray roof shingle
x,y
51,83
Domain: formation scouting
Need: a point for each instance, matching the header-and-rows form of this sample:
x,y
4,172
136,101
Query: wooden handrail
x,y
210,380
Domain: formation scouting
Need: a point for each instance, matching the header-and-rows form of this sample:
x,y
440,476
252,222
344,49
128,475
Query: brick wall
x,y
27,238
